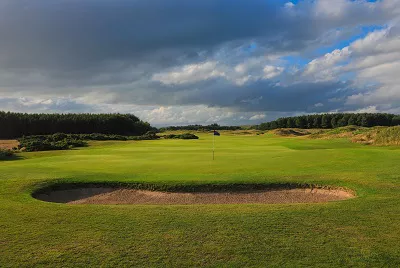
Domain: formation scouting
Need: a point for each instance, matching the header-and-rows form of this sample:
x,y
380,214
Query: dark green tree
x,y
290,123
301,122
326,121
365,121
317,122
335,120
352,120
396,120
15,125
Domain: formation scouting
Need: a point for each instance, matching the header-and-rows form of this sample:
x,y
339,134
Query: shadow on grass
x,y
11,158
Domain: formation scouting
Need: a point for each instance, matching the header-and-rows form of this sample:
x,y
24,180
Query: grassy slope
x,y
360,232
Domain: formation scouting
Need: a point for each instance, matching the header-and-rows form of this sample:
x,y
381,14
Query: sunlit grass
x,y
362,232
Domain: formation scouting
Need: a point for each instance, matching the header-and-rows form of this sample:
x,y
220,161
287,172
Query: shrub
x,y
151,135
48,143
62,141
101,137
186,136
5,154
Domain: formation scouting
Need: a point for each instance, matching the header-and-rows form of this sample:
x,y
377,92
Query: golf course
x,y
362,231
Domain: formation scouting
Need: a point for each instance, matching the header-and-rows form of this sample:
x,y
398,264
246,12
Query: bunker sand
x,y
8,144
144,197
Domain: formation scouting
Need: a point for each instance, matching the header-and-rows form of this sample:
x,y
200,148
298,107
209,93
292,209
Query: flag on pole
x,y
216,133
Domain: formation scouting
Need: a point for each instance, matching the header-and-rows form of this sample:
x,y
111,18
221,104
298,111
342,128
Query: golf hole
x,y
140,194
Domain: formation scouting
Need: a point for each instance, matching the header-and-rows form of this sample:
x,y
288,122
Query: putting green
x,y
362,231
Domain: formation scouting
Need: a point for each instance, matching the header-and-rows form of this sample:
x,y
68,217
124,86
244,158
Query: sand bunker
x,y
107,195
9,144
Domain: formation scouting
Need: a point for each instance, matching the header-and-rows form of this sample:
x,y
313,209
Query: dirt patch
x,y
8,144
144,197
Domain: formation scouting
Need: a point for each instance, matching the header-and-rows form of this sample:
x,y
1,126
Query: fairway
x,y
358,232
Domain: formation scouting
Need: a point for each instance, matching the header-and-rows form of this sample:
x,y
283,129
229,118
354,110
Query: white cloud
x,y
250,70
257,117
368,44
272,71
330,8
190,73
377,61
326,68
319,105
289,5
369,109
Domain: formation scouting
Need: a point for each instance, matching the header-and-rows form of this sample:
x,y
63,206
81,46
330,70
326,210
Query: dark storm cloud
x,y
75,35
256,97
70,35
45,105
111,49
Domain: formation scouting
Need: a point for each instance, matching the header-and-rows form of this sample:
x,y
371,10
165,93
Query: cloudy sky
x,y
200,61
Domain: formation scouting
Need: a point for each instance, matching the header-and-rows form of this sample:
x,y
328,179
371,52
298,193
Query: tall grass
x,y
388,136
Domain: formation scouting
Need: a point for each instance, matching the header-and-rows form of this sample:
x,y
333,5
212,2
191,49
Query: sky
x,y
179,62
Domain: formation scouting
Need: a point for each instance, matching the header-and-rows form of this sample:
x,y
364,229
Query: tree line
x,y
333,121
199,128
15,125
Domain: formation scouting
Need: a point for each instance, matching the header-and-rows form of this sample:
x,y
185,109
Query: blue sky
x,y
182,62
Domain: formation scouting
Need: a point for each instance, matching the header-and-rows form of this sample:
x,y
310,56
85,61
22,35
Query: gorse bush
x,y
101,137
51,142
5,154
62,141
151,135
200,128
186,136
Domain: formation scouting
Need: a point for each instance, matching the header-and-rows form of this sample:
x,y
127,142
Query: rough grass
x,y
388,136
370,136
292,132
360,232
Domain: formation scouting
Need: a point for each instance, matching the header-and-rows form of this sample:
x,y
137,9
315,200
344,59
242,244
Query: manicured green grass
x,y
360,232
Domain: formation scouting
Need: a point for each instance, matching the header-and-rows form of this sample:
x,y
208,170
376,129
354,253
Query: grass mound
x,y
387,136
364,135
291,132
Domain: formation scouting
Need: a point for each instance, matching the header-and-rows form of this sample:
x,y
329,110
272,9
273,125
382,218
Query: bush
x,y
148,136
100,137
5,154
62,141
200,128
57,141
186,136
